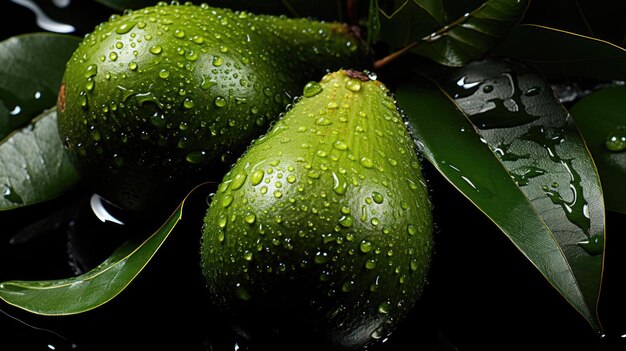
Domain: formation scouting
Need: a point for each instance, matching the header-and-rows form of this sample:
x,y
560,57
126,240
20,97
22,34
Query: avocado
x,y
322,230
160,99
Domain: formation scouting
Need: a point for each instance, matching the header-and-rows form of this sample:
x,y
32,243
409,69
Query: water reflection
x,y
42,20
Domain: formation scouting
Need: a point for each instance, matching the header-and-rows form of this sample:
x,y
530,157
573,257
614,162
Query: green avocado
x,y
323,228
159,99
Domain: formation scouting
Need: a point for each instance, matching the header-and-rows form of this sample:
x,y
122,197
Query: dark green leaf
x,y
35,167
373,23
602,121
31,69
449,35
558,52
519,158
94,288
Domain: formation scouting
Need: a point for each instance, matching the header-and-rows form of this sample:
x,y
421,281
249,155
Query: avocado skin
x,y
160,99
322,230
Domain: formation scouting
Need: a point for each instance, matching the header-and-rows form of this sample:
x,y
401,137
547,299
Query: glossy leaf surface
x,y
35,167
94,288
602,122
520,160
31,69
555,51
451,33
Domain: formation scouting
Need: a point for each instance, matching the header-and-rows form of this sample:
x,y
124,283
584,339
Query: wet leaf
x,y
510,148
450,33
94,288
555,51
35,167
601,119
31,69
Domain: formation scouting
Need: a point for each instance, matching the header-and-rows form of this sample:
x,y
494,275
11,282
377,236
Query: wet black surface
x,y
482,294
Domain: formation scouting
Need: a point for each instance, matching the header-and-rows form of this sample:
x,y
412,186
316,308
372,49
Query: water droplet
x,y
247,256
347,286
278,194
196,157
188,103
346,221
82,99
257,177
238,181
133,66
291,178
263,190
594,245
411,229
340,145
92,70
250,218
370,264
353,85
532,91
178,33
339,183
383,307
222,222
156,49
488,88
113,56
323,121
314,174
367,162
89,86
375,221
522,175
11,195
311,89
125,28
227,200
220,101
164,73
332,105
217,61
389,103
365,246
377,197
616,140
321,258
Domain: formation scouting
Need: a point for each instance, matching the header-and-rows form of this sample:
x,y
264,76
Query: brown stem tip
x,y
357,75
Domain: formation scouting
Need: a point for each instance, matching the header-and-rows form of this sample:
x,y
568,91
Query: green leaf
x,y
516,154
94,288
373,23
31,69
601,119
451,36
555,51
35,167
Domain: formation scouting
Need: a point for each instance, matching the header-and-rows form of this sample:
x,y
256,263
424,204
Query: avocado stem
x,y
393,56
